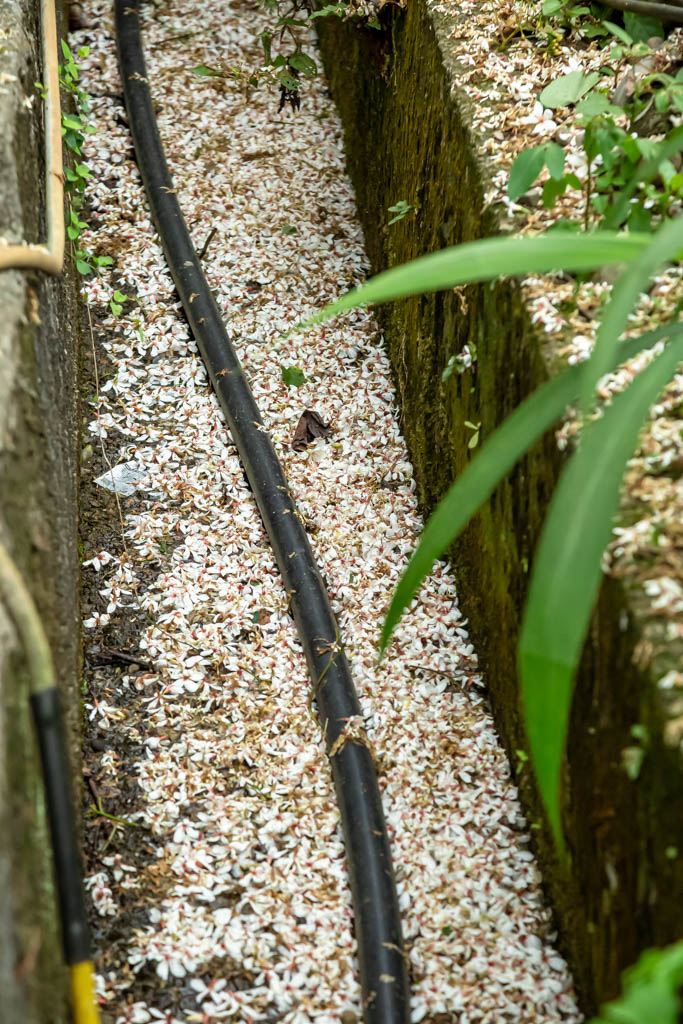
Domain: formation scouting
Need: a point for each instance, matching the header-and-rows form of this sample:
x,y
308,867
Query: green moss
x,y
408,138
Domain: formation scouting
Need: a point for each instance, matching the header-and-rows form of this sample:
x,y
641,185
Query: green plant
x,y
400,210
116,302
74,130
460,362
613,150
475,428
566,571
292,376
86,263
651,990
291,62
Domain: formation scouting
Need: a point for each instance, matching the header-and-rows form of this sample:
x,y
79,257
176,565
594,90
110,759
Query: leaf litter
x,y
229,899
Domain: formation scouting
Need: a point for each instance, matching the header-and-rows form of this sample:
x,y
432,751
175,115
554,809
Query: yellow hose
x,y
83,1002
50,257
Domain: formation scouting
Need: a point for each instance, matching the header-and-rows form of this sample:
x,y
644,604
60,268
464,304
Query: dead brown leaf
x,y
310,427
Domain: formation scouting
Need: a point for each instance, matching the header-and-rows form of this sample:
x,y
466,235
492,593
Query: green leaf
x,y
82,171
668,147
119,296
66,51
504,447
103,261
72,232
329,9
303,63
486,259
287,21
642,27
595,104
266,41
665,244
619,32
651,990
552,190
115,308
204,71
82,267
71,121
568,89
554,159
525,169
399,210
288,81
566,571
74,141
293,376
288,229
551,7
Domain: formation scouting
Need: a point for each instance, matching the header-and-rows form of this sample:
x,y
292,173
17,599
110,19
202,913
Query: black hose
x,y
383,971
60,813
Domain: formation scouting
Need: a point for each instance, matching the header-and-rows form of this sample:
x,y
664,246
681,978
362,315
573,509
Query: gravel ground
x,y
240,905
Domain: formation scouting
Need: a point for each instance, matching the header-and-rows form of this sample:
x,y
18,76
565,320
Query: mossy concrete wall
x,y
38,521
408,137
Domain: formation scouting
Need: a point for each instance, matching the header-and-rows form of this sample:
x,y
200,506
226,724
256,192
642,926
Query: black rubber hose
x,y
60,813
383,971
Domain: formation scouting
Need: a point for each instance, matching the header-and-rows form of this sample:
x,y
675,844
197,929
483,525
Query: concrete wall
x,y
408,136
38,524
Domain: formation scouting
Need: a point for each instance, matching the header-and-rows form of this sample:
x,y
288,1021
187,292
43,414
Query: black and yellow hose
x,y
45,703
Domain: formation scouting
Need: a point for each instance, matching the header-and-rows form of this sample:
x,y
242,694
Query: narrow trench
x,y
216,868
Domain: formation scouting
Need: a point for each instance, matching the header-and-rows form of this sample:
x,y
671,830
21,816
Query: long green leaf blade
x,y
496,457
664,245
566,572
486,259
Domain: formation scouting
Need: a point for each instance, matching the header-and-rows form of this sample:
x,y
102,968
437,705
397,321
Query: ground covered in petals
x,y
220,892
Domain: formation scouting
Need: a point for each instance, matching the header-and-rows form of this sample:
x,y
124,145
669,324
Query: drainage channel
x,y
204,746
383,974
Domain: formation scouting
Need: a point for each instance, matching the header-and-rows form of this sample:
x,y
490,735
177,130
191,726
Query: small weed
x,y
74,129
116,302
292,376
460,362
400,210
474,440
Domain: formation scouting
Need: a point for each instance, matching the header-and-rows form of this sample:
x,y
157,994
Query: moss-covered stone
x,y
408,138
38,524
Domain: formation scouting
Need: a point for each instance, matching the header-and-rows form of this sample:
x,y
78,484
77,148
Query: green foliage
x,y
612,116
566,571
116,302
400,210
529,164
74,129
476,429
487,259
292,376
642,27
203,71
568,89
460,362
651,990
